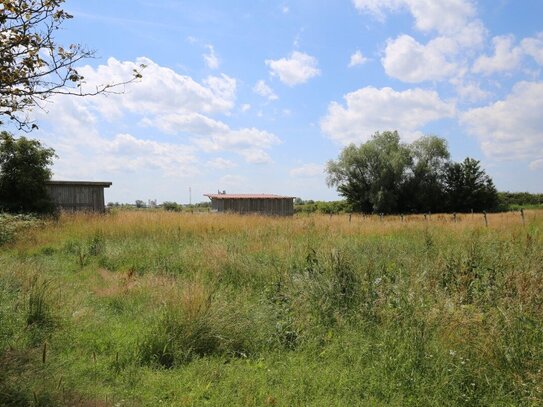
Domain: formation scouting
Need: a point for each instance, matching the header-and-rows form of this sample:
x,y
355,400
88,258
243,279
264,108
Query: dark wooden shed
x,y
264,204
78,195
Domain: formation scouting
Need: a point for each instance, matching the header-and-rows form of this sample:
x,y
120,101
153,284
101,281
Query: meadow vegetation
x,y
167,308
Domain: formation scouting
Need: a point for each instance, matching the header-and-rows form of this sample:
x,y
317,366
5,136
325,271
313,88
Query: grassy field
x,y
158,308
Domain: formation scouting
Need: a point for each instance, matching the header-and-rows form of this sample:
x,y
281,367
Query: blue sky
x,y
256,96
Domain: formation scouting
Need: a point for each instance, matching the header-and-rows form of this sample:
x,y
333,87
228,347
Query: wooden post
x,y
454,217
522,215
350,215
381,215
401,217
486,220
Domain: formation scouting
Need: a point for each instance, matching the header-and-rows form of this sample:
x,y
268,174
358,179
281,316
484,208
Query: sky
x,y
256,96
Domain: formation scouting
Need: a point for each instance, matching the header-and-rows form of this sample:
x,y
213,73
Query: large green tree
x,y
33,66
372,175
468,187
424,191
385,175
24,170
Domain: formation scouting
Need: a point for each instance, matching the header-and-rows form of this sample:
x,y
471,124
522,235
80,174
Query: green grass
x,y
137,308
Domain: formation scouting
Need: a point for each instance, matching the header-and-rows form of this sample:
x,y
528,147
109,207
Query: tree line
x,y
385,175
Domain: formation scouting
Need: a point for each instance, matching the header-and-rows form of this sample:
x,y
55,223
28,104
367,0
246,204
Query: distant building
x,y
78,195
263,204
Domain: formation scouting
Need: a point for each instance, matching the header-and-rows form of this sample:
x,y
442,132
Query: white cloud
x,y
164,100
261,88
221,163
245,107
357,59
536,164
444,16
534,47
307,170
510,128
408,60
298,68
285,9
469,91
210,58
370,109
506,57
161,90
441,58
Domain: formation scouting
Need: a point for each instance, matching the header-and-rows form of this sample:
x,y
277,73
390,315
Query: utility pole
x,y
190,196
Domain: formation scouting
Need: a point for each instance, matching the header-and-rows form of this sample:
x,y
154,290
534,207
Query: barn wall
x,y
77,197
275,206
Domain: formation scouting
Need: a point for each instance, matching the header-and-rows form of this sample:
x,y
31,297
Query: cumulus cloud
x,y
534,47
307,170
507,57
173,104
510,128
371,109
408,60
210,58
357,59
160,90
443,57
261,88
444,16
440,58
298,68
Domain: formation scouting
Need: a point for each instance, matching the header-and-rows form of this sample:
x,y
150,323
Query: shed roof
x,y
80,183
247,196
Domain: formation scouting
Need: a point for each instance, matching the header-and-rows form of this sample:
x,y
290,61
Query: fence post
x,y
401,217
486,220
381,215
454,217
350,215
522,215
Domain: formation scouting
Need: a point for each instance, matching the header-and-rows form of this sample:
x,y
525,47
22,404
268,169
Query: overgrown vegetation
x,y
166,308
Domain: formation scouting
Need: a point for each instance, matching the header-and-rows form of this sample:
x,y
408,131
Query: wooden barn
x,y
263,204
78,195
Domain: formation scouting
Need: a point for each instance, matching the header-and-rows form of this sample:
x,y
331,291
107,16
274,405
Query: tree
x,y
24,170
424,192
33,67
384,175
468,187
372,176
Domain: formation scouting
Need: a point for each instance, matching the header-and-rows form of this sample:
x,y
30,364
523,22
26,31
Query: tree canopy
x,y
24,170
33,67
386,175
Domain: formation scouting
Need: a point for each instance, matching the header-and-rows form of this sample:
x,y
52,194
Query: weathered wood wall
x,y
275,206
77,197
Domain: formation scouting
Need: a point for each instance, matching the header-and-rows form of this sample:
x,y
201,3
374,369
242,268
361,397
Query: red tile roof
x,y
247,196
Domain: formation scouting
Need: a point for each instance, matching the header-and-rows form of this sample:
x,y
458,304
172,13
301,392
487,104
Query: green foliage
x,y
517,200
386,176
24,169
172,206
333,207
371,176
467,187
253,311
13,225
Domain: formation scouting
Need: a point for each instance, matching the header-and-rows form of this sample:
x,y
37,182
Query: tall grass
x,y
190,309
